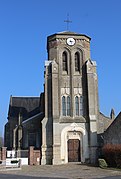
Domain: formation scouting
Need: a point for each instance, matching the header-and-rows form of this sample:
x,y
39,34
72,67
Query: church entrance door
x,y
74,150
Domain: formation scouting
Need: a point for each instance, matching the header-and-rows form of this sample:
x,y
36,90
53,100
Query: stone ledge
x,y
72,120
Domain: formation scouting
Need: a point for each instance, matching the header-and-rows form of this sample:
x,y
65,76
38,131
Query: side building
x,y
23,128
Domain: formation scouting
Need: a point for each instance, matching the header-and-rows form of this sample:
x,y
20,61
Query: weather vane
x,y
67,21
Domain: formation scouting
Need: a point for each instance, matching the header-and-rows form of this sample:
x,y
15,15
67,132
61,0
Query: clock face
x,y
70,41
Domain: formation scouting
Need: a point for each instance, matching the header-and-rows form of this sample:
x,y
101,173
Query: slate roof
x,y
27,106
114,123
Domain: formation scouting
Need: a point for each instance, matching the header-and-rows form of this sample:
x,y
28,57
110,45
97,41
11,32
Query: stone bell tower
x,y
71,101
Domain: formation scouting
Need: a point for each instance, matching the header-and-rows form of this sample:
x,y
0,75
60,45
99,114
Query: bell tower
x,y
68,53
71,99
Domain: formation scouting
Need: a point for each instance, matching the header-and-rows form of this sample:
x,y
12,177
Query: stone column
x,y
3,153
14,138
19,137
46,142
31,155
56,144
92,83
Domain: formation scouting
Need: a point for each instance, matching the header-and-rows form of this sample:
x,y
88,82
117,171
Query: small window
x,y
68,106
64,106
64,58
77,105
77,62
81,105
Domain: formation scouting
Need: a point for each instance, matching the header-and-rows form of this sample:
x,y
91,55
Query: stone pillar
x,y
31,155
56,154
3,153
56,144
46,142
14,138
19,137
44,146
92,84
112,114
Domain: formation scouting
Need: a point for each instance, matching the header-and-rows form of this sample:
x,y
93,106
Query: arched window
x,y
81,105
64,60
77,62
64,106
68,106
77,105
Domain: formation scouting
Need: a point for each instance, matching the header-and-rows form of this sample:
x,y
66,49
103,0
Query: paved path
x,y
68,171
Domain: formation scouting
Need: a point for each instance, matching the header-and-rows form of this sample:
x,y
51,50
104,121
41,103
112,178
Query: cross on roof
x,y
67,21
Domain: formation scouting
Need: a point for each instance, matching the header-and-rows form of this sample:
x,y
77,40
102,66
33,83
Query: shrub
x,y
112,154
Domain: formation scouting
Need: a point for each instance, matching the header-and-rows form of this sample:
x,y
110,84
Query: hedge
x,y
112,154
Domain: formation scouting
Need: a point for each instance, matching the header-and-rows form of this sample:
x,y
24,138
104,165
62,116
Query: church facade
x,y
66,122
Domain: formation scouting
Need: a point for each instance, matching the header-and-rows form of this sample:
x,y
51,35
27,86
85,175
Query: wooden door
x,y
74,150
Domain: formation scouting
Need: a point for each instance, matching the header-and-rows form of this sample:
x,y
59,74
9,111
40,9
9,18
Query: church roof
x,y
34,118
114,123
70,33
27,106
67,32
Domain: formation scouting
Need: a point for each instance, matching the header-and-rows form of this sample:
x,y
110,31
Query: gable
x,y
113,132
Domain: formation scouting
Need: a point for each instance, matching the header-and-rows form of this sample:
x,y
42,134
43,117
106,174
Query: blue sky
x,y
24,27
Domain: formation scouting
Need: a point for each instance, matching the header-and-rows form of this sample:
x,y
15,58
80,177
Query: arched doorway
x,y
79,135
74,150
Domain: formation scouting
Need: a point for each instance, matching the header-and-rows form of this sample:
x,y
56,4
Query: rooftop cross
x,y
67,21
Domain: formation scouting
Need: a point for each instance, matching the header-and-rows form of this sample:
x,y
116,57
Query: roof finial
x,y
112,114
67,21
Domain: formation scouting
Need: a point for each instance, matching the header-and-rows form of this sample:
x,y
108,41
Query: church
x,y
65,122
